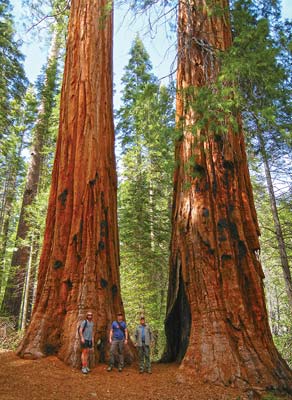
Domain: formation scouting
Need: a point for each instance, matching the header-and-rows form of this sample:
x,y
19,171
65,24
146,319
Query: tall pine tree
x,y
12,90
19,264
145,127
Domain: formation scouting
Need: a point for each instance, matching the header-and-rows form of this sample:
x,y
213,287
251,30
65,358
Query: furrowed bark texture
x,y
78,269
217,322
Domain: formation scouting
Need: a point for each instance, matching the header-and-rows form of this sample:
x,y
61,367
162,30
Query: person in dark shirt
x,y
118,337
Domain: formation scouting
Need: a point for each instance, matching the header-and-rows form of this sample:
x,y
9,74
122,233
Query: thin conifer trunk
x,y
26,291
6,210
277,224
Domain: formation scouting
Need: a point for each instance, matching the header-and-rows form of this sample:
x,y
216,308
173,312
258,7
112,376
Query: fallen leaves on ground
x,y
50,379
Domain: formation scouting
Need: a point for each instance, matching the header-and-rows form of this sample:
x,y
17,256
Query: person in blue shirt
x,y
118,337
144,338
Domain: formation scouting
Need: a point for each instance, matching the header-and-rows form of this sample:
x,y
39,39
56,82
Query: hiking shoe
x,y
88,370
109,369
84,370
120,369
149,371
141,371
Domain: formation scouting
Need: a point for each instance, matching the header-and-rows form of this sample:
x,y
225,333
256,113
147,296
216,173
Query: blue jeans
x,y
144,357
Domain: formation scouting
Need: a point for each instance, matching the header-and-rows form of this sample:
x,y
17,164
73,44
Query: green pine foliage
x,y
41,17
12,175
41,130
12,78
12,89
47,124
263,72
145,131
258,63
276,295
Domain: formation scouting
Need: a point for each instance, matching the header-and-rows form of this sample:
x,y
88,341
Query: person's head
x,y
119,316
142,320
89,316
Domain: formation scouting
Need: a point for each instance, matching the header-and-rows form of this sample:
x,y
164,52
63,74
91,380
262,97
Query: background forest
x,y
259,64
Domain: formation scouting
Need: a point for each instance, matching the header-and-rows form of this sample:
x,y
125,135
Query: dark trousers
x,y
117,348
144,357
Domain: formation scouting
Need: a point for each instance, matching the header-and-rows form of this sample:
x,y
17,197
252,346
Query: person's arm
x,y
150,335
126,335
136,335
92,348
81,332
111,335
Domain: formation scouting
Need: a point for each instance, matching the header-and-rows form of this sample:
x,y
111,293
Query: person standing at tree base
x,y
118,337
87,343
144,338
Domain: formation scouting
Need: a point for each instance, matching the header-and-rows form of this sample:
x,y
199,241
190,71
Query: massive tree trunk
x,y
19,264
79,263
217,322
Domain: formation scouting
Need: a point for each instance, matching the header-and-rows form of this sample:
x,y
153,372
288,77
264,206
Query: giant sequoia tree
x,y
78,269
216,320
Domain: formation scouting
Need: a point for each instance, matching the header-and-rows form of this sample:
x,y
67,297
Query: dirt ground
x,y
50,379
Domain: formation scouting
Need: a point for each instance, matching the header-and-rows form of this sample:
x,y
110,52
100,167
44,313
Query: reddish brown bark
x,y
78,270
217,322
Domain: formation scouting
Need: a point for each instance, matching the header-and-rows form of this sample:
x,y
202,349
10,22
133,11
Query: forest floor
x,y
50,379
